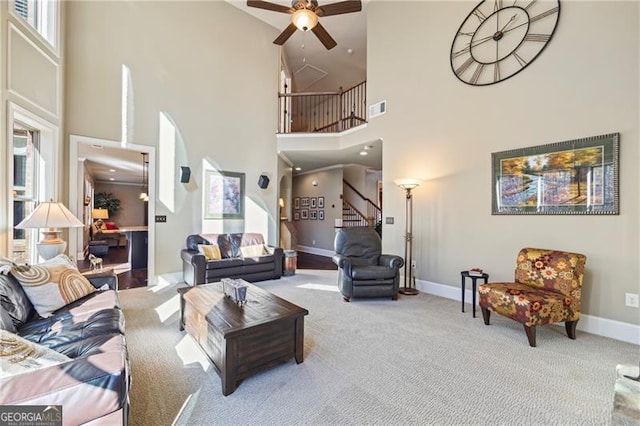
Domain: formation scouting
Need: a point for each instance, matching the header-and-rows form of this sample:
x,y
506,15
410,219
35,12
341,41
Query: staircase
x,y
353,216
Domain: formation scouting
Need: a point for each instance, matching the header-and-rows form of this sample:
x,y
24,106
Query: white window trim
x,y
49,149
52,45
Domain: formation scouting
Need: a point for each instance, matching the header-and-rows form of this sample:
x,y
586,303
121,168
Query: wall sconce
x,y
314,183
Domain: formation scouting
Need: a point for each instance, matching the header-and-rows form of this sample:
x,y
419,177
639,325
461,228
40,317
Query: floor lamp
x,y
50,216
408,185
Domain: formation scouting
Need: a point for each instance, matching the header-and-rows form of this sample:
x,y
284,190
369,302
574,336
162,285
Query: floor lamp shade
x,y
50,215
408,184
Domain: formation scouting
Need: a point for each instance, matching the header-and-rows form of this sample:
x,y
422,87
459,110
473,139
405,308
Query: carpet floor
x,y
418,360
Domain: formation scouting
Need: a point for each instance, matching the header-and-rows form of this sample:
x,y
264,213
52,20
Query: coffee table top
x,y
229,318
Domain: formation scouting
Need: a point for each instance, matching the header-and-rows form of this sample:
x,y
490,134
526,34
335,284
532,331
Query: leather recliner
x,y
363,271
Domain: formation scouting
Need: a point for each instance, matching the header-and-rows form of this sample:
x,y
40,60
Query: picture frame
x,y
304,214
224,195
321,202
314,202
304,202
313,214
577,177
296,203
296,215
320,214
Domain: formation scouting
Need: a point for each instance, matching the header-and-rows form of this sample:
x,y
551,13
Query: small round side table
x,y
464,275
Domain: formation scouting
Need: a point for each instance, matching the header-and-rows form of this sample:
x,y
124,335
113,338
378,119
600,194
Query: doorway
x,y
127,164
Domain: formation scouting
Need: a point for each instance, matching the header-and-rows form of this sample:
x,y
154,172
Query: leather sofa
x,y
196,269
92,386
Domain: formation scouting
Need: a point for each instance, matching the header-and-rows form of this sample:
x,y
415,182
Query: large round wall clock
x,y
498,39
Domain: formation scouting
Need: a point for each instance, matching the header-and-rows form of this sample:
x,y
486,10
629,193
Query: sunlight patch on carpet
x,y
190,353
168,308
322,287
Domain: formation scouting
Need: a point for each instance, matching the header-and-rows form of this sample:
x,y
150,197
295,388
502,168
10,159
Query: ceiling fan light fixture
x,y
304,19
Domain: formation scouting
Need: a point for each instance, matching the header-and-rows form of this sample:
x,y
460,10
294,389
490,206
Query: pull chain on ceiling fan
x,y
304,16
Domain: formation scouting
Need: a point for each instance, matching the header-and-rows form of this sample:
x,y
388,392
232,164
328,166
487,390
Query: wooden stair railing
x,y
352,217
373,213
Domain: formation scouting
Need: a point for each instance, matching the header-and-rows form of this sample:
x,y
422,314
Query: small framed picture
x,y
304,214
314,202
321,202
296,203
296,215
320,214
313,214
304,202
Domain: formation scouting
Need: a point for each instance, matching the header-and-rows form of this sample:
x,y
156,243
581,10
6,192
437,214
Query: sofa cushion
x,y
19,355
6,323
210,251
13,300
52,284
372,272
224,263
253,250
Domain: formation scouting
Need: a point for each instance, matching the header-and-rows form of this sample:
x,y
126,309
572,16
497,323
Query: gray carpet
x,y
418,360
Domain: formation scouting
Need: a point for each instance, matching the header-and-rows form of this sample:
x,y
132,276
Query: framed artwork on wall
x,y
296,203
304,202
304,214
573,177
223,195
320,214
296,215
313,214
321,202
314,202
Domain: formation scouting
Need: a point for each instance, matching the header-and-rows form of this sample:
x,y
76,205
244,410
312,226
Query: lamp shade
x,y
50,214
408,183
100,214
304,19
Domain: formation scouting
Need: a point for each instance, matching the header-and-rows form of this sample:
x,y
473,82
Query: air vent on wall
x,y
377,109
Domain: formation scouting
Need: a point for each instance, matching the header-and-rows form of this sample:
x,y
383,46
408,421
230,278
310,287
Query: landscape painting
x,y
572,177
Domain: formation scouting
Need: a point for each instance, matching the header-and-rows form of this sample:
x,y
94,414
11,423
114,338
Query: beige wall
x,y
200,65
132,209
585,83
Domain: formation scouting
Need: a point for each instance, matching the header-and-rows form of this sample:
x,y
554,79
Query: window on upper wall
x,y
26,189
41,15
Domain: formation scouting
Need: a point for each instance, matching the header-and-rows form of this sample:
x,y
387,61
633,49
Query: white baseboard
x,y
315,250
591,324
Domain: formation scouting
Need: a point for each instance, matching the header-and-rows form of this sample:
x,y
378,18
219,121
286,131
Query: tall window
x,y
41,15
25,190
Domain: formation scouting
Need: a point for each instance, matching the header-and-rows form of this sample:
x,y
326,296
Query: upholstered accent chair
x,y
546,290
363,271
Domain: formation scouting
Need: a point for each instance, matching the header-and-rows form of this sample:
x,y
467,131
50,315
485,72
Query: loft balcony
x,y
322,112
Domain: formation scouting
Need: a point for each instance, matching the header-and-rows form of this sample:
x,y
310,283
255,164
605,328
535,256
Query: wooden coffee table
x,y
242,340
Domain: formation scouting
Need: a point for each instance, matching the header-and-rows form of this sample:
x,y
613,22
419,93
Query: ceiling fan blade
x,y
284,36
339,8
324,36
268,6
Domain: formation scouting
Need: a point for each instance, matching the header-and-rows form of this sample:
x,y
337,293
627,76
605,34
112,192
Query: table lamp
x,y
50,215
100,214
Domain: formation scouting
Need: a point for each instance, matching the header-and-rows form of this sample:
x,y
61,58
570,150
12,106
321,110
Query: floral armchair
x,y
546,290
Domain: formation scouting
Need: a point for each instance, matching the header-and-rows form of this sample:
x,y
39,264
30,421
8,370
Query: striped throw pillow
x,y
210,251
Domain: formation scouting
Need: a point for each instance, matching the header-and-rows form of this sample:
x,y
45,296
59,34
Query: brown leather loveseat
x,y
238,255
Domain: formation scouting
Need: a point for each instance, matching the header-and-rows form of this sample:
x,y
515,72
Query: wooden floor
x,y
314,261
117,256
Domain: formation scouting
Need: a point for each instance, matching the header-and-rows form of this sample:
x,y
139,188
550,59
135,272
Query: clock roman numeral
x,y
462,51
543,38
545,14
521,61
496,72
465,65
530,4
476,74
481,16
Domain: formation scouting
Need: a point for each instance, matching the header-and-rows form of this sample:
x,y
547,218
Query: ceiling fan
x,y
305,14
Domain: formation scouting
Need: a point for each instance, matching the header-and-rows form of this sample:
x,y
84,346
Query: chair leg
x,y
571,329
531,335
346,299
394,297
486,314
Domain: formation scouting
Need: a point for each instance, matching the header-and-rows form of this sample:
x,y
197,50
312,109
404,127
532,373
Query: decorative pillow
x,y
18,355
111,225
14,303
52,284
252,251
210,251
